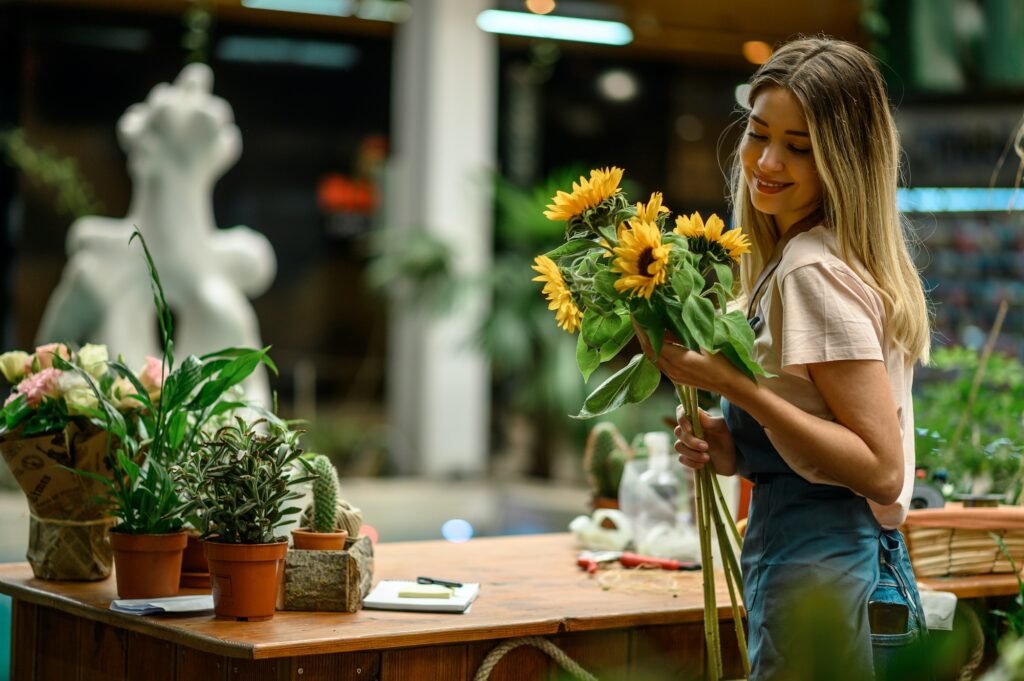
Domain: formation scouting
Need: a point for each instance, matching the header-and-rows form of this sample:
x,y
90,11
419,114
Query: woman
x,y
840,318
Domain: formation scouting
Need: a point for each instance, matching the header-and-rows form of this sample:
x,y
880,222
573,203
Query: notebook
x,y
385,596
156,606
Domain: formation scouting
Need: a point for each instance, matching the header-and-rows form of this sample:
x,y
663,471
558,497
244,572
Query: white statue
x,y
179,142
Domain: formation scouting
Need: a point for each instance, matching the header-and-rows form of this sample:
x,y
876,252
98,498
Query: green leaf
x,y
625,333
723,273
674,322
598,329
182,382
699,317
572,247
687,280
587,358
651,322
631,385
176,429
604,284
735,340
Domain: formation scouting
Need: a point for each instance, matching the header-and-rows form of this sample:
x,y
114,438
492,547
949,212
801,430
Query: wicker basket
x,y
955,540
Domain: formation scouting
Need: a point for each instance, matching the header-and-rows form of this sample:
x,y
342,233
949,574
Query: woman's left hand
x,y
712,372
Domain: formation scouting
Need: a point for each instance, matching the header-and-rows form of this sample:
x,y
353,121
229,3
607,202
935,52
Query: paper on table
x,y
155,606
385,597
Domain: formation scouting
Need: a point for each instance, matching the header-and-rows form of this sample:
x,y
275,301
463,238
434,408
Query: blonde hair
x,y
856,150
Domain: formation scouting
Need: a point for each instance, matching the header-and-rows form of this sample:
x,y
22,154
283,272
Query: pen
x,y
440,582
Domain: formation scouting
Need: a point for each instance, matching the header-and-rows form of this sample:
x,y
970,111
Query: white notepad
x,y
385,597
155,606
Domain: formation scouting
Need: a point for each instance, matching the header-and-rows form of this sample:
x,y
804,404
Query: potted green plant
x,y
604,458
238,483
327,521
153,418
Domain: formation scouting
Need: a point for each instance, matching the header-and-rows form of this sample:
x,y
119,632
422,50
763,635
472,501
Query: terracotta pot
x,y
147,565
319,541
195,570
245,578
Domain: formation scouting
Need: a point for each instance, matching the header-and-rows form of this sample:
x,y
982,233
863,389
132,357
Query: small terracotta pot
x,y
147,565
319,541
195,570
245,579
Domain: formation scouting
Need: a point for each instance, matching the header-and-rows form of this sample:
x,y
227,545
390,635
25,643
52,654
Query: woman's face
x,y
777,159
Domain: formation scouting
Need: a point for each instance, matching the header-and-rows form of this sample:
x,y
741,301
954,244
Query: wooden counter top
x,y
530,586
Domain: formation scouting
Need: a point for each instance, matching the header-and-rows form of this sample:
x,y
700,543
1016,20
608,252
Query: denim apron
x,y
813,557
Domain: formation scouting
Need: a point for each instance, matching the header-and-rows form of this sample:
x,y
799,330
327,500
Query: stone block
x,y
327,580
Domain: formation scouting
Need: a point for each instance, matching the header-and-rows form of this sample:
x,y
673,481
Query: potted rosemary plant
x,y
327,521
238,483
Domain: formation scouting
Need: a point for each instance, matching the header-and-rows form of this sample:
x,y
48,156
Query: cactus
x,y
325,495
605,456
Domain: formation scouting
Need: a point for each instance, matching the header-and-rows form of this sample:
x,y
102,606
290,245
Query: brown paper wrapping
x,y
67,532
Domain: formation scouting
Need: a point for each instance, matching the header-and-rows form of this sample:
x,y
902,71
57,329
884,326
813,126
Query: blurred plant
x,y
604,459
198,19
969,422
1015,619
533,363
75,196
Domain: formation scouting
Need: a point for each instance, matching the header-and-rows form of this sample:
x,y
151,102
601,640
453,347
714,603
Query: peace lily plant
x,y
625,267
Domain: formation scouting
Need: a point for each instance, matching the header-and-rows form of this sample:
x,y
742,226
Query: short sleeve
x,y
829,314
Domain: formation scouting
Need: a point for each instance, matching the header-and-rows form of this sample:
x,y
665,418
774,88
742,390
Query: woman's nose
x,y
770,160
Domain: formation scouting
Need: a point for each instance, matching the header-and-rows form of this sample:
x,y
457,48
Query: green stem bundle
x,y
713,517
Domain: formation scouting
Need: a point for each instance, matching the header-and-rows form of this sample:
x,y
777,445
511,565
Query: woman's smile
x,y
766,186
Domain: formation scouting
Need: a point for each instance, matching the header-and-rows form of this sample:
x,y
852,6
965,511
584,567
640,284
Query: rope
x,y
73,523
567,663
967,671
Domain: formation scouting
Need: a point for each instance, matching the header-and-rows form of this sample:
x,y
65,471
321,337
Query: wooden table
x,y
645,626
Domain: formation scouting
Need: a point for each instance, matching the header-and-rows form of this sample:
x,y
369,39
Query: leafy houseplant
x,y
165,411
977,442
327,521
237,484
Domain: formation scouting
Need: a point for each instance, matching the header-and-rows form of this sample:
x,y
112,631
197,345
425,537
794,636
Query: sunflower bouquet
x,y
627,267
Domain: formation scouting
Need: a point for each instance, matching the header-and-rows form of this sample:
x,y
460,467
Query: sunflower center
x,y
644,262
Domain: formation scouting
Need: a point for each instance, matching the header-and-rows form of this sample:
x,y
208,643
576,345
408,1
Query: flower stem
x,y
711,520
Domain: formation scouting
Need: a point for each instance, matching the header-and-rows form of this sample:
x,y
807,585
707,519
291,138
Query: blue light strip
x,y
327,8
958,199
554,27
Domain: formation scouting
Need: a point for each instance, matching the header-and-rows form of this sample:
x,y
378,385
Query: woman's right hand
x,y
716,446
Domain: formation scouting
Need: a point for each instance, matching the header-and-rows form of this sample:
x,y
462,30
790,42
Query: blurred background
x,y
398,155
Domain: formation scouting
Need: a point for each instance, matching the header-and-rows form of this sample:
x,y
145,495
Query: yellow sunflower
x,y
602,184
567,314
641,259
736,243
689,227
653,208
711,235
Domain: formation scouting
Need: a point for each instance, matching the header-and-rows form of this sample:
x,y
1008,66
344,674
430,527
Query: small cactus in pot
x,y
604,459
328,521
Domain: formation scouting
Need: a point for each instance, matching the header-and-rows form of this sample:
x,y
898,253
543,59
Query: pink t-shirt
x,y
816,308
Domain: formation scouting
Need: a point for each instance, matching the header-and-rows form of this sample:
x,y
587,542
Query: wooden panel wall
x,y
48,644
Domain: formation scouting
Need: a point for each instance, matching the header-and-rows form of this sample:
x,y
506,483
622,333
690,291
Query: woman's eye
x,y
799,150
755,136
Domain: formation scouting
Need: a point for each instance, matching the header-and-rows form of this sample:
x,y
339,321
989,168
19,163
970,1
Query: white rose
x,y
80,400
93,359
12,365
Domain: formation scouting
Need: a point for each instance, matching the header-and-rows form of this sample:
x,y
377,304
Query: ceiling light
x,y
554,27
957,199
330,8
757,51
618,85
540,6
